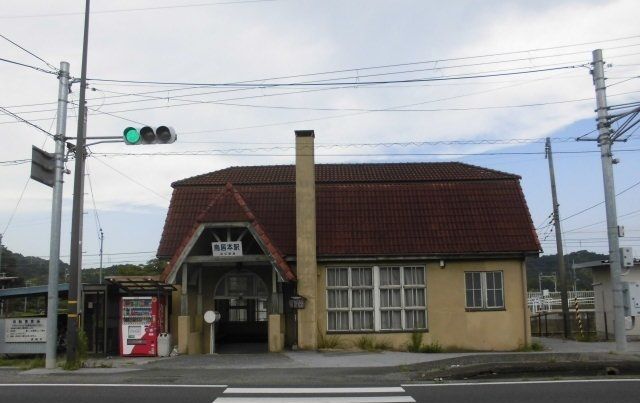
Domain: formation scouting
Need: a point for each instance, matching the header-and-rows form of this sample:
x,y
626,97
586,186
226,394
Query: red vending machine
x,y
141,320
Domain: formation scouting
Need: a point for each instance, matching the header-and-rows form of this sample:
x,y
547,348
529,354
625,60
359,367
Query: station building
x,y
292,254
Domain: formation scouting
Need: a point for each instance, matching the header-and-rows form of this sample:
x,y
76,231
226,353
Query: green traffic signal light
x,y
132,135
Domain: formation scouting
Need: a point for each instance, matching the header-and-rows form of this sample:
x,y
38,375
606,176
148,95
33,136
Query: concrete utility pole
x,y
560,253
1,253
101,245
605,142
78,200
56,218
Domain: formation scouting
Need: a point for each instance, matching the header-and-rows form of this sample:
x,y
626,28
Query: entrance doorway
x,y
242,299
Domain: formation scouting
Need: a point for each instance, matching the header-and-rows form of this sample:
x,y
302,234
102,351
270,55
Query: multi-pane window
x,y
376,298
415,307
484,290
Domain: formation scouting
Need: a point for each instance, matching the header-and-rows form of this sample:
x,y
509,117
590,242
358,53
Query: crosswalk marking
x,y
313,390
315,395
318,399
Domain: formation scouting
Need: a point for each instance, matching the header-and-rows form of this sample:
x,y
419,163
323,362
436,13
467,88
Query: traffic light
x,y
149,135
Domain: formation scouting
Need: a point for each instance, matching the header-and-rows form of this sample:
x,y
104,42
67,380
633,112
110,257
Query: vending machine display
x,y
141,320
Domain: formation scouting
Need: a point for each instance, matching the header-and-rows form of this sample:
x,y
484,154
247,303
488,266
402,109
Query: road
x,y
580,391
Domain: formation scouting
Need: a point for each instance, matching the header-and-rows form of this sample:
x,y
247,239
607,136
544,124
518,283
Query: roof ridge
x,y
430,171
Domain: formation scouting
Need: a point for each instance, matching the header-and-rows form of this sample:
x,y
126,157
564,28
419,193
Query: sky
x,y
378,80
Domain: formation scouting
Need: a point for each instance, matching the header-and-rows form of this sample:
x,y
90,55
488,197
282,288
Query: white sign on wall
x,y
25,330
226,248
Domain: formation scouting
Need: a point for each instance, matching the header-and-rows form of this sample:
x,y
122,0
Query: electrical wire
x,y
245,154
128,177
28,66
26,184
353,83
126,10
30,123
29,52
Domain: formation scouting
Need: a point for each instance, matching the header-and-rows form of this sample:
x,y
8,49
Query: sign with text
x,y
25,330
226,248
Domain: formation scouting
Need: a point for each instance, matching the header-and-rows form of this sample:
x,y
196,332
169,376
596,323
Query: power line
x,y
27,65
320,84
223,153
29,52
125,10
128,177
8,112
14,162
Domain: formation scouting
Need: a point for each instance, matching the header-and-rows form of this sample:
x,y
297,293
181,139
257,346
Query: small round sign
x,y
211,316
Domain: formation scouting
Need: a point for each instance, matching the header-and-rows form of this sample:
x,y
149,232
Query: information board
x,y
25,330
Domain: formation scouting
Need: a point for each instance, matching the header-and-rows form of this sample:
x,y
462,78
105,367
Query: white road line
x,y
264,391
429,385
112,385
319,399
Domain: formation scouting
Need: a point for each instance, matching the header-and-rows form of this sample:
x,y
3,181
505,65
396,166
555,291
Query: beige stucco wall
x,y
449,324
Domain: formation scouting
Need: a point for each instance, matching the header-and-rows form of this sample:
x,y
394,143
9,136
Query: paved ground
x,y
349,366
347,359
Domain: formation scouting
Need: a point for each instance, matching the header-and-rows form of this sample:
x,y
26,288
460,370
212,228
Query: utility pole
x,y
101,244
604,142
56,218
560,253
78,200
1,253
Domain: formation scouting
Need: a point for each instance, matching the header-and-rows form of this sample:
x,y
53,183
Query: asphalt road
x,y
582,391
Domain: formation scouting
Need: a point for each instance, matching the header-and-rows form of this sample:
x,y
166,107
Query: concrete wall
x,y
448,322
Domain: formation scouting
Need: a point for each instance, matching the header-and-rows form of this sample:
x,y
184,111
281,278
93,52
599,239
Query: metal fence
x,y
539,302
582,324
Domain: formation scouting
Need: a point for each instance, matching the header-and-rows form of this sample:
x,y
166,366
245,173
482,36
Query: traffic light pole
x,y
56,218
78,204
605,141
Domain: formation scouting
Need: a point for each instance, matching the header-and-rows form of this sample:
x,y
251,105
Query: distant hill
x,y
30,270
547,264
35,271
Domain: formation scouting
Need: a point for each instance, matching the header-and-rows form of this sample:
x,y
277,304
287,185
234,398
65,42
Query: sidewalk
x,y
561,349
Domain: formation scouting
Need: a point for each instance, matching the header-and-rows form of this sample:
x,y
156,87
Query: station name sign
x,y
226,248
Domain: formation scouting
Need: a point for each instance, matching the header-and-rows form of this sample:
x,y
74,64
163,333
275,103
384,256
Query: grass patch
x,y
366,343
535,346
433,347
81,353
415,342
586,337
383,345
327,341
23,363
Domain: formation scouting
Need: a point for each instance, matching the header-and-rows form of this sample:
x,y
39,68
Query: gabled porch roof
x,y
228,208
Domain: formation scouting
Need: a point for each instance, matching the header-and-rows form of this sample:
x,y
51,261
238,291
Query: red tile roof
x,y
371,209
347,173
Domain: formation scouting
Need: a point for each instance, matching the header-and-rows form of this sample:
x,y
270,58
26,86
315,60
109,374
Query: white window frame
x,y
376,291
483,287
